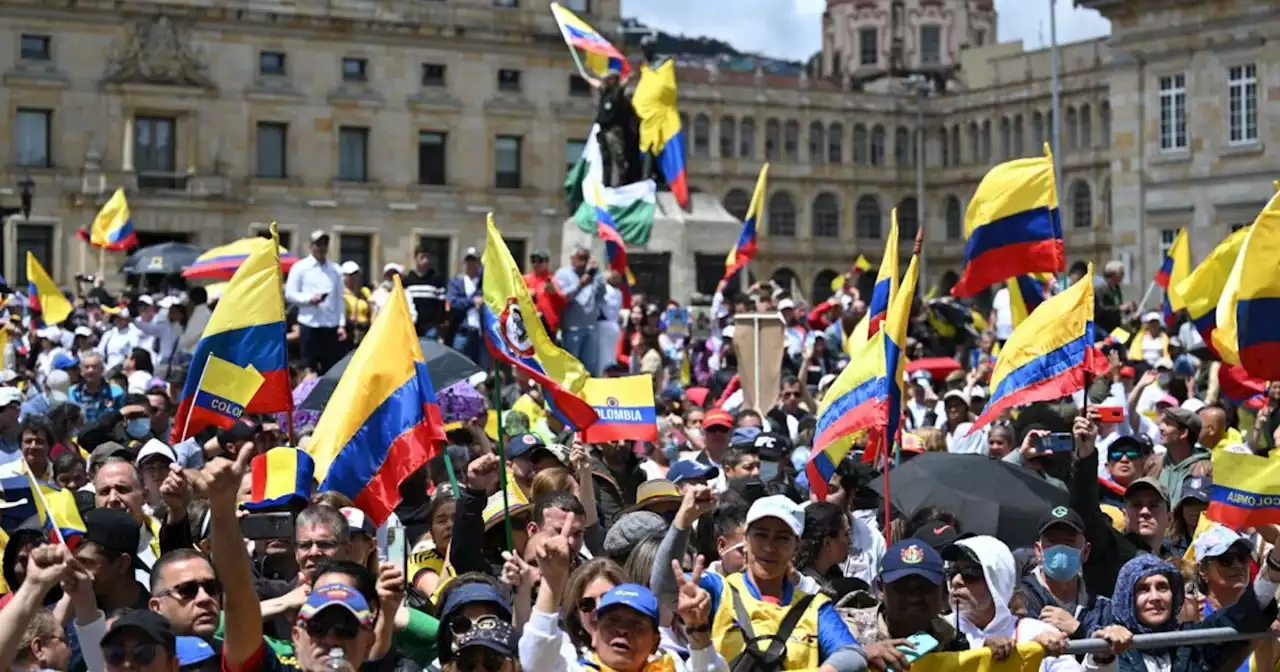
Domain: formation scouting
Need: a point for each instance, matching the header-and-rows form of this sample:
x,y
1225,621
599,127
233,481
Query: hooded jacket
x,y
1092,611
1001,574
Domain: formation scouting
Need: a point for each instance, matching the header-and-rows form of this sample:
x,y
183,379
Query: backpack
x,y
771,659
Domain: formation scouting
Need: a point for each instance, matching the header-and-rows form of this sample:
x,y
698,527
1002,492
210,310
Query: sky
x,y
791,29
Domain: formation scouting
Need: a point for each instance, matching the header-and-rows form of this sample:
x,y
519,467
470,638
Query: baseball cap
x,y
727,332
633,596
349,267
146,300
956,394
471,253
691,470
113,530
149,624
318,235
474,593
105,450
193,650
10,395
1061,515
83,331
1148,482
1197,488
1152,317
786,304
978,392
1128,372
359,522
630,529
1216,540
63,360
152,448
541,253
1167,401
492,633
772,446
745,435
1194,405
392,266
1164,363
1127,441
562,453
912,557
1185,418
337,595
780,507
717,417
170,301
939,534
523,444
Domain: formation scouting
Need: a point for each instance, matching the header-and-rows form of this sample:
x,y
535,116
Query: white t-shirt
x,y
1004,314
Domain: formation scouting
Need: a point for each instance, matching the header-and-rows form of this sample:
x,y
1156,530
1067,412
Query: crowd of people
x,y
705,550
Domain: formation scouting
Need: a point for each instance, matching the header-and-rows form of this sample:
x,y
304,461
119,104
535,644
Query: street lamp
x,y
25,189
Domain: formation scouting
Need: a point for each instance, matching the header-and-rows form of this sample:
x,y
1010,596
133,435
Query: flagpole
x,y
1150,288
199,385
44,506
577,60
502,453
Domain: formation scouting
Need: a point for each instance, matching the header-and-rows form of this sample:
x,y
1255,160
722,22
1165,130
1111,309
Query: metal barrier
x,y
1160,640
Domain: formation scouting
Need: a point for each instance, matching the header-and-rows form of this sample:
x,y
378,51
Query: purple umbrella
x,y
460,401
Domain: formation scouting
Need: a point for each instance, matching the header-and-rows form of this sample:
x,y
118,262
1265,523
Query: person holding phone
x,y
314,285
907,623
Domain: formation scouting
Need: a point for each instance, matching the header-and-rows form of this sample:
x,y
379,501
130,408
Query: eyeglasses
x,y
966,574
1132,453
342,624
461,625
479,658
188,590
586,605
141,654
319,544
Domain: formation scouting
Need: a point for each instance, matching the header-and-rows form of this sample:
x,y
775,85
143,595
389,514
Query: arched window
x,y
684,120
835,143
957,158
747,138
955,219
1037,132
782,215
1086,127
826,216
817,143
772,140
944,153
908,218
728,137
1018,148
861,153
791,140
737,202
902,146
867,216
1081,205
1104,123
822,285
975,143
986,141
877,145
1073,129
1006,139
786,279
702,135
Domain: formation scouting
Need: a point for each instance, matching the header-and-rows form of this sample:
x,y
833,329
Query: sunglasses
x,y
1132,453
141,654
966,574
188,590
461,625
479,658
320,544
586,605
342,625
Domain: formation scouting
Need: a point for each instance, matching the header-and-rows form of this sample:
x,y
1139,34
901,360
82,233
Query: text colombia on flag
x,y
625,408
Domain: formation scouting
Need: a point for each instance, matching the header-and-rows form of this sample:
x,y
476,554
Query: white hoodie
x,y
1001,573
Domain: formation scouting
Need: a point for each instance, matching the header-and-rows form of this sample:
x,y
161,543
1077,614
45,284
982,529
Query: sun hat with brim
x,y
654,492
494,513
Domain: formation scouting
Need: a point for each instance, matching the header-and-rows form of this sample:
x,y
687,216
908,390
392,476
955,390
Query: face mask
x,y
1061,563
138,427
1164,379
671,450
694,432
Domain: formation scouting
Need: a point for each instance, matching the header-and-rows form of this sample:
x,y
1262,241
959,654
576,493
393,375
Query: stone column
x,y
126,155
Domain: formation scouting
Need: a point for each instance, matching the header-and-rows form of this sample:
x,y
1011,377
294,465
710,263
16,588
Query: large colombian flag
x,y
1012,225
660,133
625,408
1175,266
747,246
1246,490
382,422
246,331
886,279
1048,355
1199,292
1248,313
599,57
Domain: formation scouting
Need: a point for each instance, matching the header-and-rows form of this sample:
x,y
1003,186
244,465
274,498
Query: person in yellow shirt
x,y
355,298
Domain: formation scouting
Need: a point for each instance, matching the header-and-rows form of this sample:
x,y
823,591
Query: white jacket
x,y
543,648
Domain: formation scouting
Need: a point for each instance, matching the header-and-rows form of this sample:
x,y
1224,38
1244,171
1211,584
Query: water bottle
x,y
337,661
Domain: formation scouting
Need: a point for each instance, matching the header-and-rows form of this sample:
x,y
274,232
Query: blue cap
x,y
193,650
911,557
744,435
691,470
337,595
631,595
522,444
1197,488
63,360
473,593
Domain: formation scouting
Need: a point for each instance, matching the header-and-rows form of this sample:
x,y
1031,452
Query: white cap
x,y
1216,540
155,447
825,382
349,267
84,331
727,332
978,392
318,234
956,394
147,300
1192,404
9,395
786,304
1164,363
7,376
471,252
357,521
392,266
49,333
170,301
780,507
58,380
1152,316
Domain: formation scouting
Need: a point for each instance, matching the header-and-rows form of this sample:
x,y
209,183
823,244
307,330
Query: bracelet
x,y
697,629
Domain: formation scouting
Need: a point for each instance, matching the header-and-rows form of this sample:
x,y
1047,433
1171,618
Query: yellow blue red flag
x,y
598,56
1248,313
1199,292
1048,354
382,422
43,293
895,342
625,408
886,278
747,246
515,335
1246,490
223,392
246,330
661,134
1026,293
281,476
1012,226
221,262
112,227
1174,268
59,516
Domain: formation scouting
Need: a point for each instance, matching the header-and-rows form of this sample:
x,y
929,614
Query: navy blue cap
x,y
744,435
473,593
634,596
522,444
911,557
689,470
1197,488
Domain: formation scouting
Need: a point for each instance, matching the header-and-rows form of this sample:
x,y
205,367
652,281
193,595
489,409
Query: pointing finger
x,y
565,531
244,458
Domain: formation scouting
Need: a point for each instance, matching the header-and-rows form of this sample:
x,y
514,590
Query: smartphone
x,y
267,526
1110,414
920,644
1057,442
768,470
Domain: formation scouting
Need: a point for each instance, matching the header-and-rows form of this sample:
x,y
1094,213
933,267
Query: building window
x,y
1073,129
353,154
791,140
1104,123
861,145
877,145
432,158
944,147
975,143
437,249
1017,136
1173,113
1167,236
1081,205
507,162
273,143
357,247
1006,139
33,137
736,203
271,63
702,135
782,215
986,141
747,138
1086,127
826,216
154,152
1242,101
835,143
36,48
355,70
930,45
867,218
817,142
579,6
908,218
868,46
772,140
902,147
1037,132
573,153
955,219
508,4
728,137
509,81
956,158
38,240
579,87
434,74
979,37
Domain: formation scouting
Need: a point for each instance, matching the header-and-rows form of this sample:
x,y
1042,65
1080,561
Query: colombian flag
x,y
1173,269
280,476
382,422
1047,356
44,294
1012,226
1248,313
59,517
1026,293
245,331
660,134
112,228
615,248
625,408
223,392
599,56
1199,292
221,263
515,335
1246,490
747,246
886,278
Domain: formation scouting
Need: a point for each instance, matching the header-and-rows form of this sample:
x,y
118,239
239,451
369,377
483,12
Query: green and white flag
x,y
632,206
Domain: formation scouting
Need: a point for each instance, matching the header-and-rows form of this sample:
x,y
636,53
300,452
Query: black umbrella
x,y
162,259
445,366
987,496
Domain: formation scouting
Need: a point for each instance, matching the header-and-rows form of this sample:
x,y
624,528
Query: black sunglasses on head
x,y
188,590
141,654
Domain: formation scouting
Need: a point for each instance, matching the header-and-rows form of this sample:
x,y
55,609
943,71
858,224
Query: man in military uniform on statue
x,y
617,121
